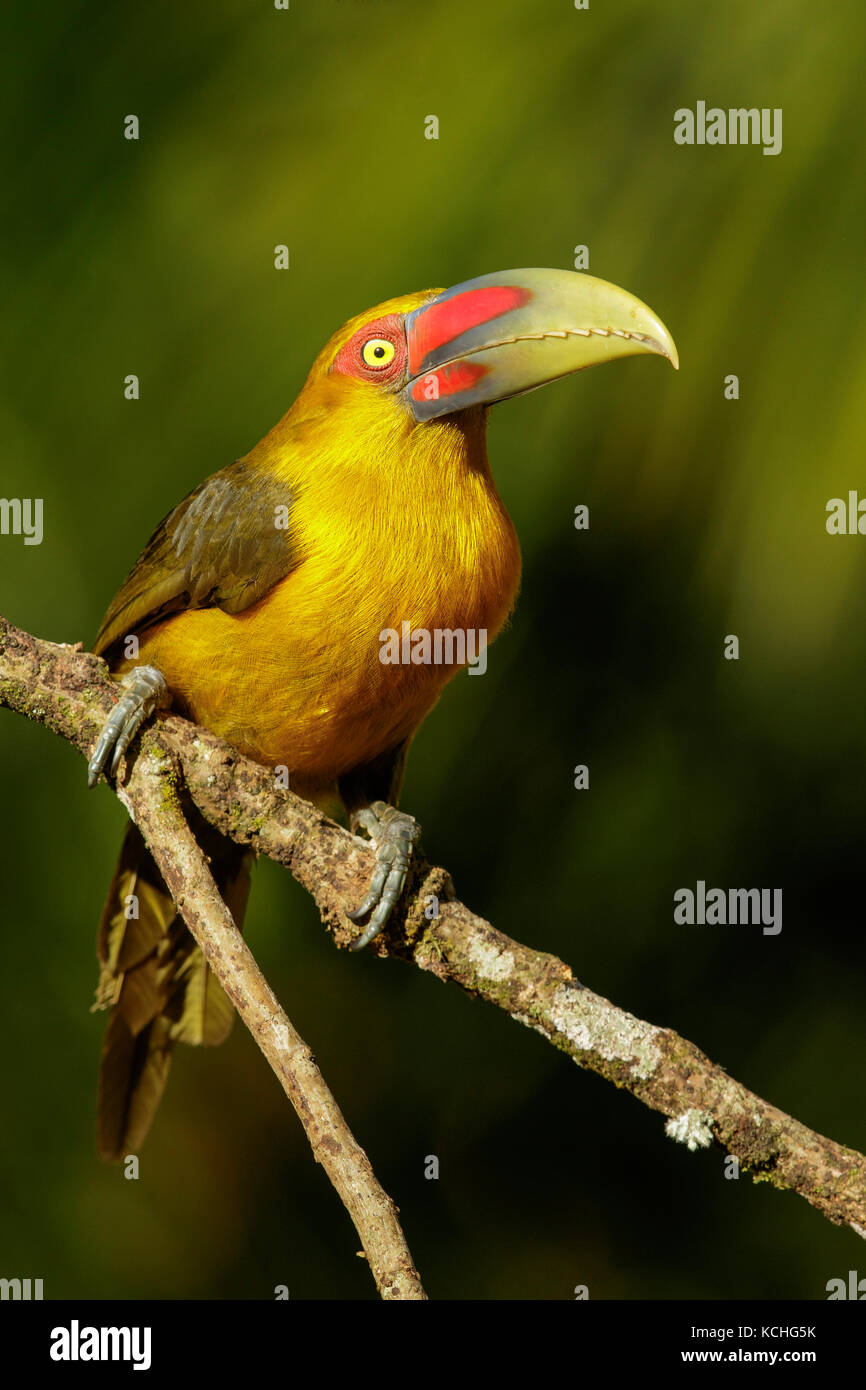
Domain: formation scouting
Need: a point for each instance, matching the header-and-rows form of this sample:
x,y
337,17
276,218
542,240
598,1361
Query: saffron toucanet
x,y
258,603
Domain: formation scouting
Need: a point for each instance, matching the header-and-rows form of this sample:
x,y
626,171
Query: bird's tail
x,y
156,983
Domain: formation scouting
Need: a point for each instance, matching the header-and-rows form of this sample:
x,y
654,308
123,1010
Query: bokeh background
x,y
306,127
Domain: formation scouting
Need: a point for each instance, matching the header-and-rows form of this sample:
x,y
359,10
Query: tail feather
x,y
132,1078
156,982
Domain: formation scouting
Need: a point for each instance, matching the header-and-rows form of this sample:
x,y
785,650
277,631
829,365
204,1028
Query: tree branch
x,y
151,795
67,690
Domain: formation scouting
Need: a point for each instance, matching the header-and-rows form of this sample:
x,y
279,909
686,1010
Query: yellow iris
x,y
378,352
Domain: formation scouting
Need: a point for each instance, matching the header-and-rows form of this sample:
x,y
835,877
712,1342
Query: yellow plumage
x,y
394,521
263,598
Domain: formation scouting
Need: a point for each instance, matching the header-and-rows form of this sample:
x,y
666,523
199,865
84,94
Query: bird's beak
x,y
503,334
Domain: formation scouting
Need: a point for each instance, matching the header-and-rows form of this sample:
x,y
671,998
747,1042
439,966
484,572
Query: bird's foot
x,y
395,835
145,691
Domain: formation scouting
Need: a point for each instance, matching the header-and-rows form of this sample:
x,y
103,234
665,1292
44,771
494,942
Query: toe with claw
x,y
144,692
394,835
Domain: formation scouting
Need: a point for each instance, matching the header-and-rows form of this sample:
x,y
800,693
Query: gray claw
x,y
394,834
145,692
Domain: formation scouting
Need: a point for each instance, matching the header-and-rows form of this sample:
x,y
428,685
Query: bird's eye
x,y
378,352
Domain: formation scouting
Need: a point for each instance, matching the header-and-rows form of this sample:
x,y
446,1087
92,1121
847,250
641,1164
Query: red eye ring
x,y
359,357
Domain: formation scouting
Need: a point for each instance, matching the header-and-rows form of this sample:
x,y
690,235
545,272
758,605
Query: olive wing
x,y
224,546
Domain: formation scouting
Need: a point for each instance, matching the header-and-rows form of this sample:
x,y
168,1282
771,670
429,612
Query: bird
x,y
259,605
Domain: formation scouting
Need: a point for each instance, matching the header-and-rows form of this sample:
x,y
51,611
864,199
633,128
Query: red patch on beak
x,y
447,319
447,381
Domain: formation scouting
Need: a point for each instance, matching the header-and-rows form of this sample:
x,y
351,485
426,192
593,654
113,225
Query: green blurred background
x,y
707,517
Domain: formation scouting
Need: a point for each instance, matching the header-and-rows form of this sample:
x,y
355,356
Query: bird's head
x,y
439,353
